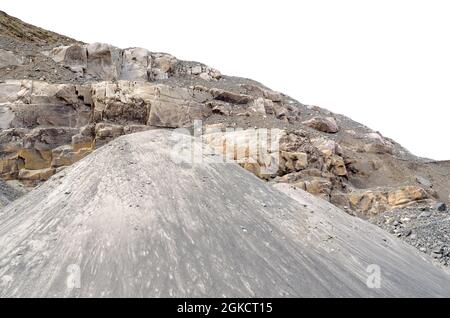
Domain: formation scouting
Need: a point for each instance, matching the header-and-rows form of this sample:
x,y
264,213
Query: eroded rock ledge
x,y
46,127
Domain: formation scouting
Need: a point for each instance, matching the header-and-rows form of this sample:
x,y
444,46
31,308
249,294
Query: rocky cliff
x,y
47,125
61,99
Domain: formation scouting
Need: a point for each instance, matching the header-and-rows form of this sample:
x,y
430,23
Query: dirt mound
x,y
134,219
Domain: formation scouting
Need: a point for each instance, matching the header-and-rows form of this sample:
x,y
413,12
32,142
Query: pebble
x,y
441,207
424,215
438,250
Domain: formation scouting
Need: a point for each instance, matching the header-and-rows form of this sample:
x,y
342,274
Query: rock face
x,y
181,236
103,61
46,127
61,99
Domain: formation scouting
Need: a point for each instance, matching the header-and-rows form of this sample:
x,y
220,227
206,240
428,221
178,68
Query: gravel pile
x,y
426,228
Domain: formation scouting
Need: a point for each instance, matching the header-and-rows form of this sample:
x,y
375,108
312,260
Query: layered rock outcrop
x,y
46,127
103,61
94,93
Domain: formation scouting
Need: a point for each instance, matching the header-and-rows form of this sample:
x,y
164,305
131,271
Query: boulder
x,y
374,201
105,132
377,144
197,69
224,95
368,202
263,92
406,195
66,156
72,56
293,161
317,186
162,65
337,165
261,106
327,147
136,64
219,107
103,61
323,124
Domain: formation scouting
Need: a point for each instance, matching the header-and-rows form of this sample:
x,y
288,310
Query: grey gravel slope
x,y
8,194
138,224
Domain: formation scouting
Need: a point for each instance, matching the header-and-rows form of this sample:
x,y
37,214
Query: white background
x,y
383,63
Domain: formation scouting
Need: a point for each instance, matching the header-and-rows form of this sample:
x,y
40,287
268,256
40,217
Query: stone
x,y
337,165
377,144
136,64
72,56
424,215
224,95
103,61
406,195
279,110
368,202
84,139
378,148
162,66
263,92
196,70
262,106
327,125
293,161
319,186
105,132
66,156
441,207
221,108
327,146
